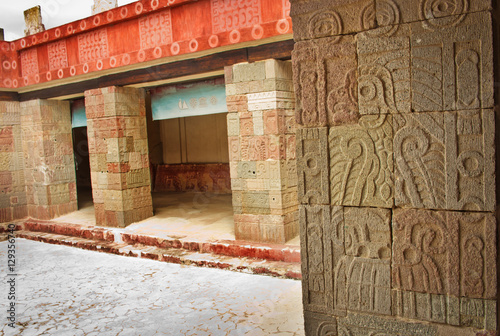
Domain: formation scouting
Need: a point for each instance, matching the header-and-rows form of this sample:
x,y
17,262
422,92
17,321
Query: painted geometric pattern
x,y
58,55
29,62
231,15
93,46
156,29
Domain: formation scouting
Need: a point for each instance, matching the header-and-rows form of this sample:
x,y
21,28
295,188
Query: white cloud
x,y
54,13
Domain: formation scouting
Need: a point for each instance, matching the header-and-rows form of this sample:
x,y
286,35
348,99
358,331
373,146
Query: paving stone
x,y
69,303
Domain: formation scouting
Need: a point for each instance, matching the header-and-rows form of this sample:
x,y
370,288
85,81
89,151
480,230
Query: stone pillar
x,y
100,6
13,204
49,166
119,157
261,130
33,20
396,166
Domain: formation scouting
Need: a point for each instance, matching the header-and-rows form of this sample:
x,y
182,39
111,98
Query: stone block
x,y
234,149
322,248
361,163
256,203
270,100
247,169
319,324
439,252
237,103
368,233
426,307
384,72
445,160
371,325
245,72
363,285
258,123
325,79
233,124
278,69
462,84
478,313
246,127
431,15
318,19
312,166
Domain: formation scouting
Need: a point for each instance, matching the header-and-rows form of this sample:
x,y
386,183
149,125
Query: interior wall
x,y
200,139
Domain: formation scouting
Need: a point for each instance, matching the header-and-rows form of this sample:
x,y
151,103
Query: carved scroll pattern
x,y
426,252
361,163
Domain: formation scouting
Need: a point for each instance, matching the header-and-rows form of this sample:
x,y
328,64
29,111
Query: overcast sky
x,y
54,13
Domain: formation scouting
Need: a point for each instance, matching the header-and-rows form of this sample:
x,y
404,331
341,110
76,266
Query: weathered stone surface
x,y
426,307
369,325
433,16
361,163
368,233
363,285
312,166
426,252
13,200
321,246
100,6
478,313
317,19
384,72
445,160
246,72
478,265
48,162
33,20
467,82
440,252
325,79
118,152
319,324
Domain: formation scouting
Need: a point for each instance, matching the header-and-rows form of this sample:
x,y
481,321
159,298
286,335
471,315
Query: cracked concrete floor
x,y
67,291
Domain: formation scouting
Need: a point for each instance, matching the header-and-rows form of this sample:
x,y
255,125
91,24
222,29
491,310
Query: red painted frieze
x,y
139,32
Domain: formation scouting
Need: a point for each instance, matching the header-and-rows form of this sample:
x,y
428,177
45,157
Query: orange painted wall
x,y
139,32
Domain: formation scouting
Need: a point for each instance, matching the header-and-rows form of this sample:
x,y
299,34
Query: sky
x,y
54,13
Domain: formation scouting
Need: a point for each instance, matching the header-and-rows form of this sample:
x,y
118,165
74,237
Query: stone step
x,y
281,269
231,248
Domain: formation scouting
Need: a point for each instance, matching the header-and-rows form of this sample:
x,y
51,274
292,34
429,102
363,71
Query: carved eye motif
x,y
324,24
442,8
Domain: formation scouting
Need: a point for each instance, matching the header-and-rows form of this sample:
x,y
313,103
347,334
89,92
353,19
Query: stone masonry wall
x,y
261,130
13,204
396,166
119,157
49,166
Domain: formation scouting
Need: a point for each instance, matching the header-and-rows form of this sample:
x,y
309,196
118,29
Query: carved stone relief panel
x,y
384,71
312,166
445,160
464,83
325,79
361,163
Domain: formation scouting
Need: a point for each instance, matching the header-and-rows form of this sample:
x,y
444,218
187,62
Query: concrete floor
x,y
199,216
66,291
